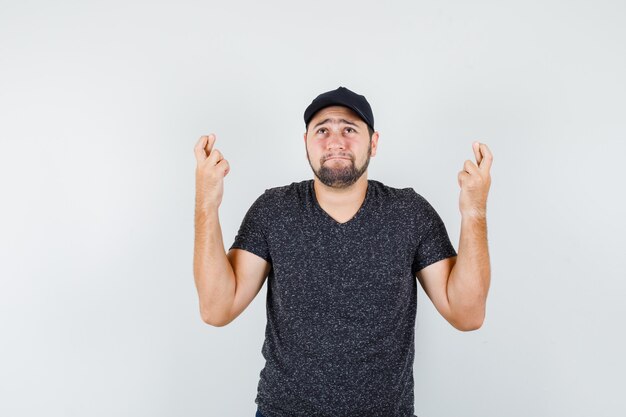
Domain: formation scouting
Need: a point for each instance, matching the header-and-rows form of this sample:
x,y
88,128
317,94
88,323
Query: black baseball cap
x,y
341,97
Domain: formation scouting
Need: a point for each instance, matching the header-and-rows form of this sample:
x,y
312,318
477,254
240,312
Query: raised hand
x,y
475,181
210,172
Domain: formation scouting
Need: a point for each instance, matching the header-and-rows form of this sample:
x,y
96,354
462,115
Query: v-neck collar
x,y
329,218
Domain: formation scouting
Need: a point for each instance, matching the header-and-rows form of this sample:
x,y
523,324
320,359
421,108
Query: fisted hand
x,y
475,181
210,173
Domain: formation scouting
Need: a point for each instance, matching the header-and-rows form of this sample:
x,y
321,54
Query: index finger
x,y
203,147
487,158
476,149
198,150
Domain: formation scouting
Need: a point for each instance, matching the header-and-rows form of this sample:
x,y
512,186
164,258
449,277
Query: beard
x,y
340,176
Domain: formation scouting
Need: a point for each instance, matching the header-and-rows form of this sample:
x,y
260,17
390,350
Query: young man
x,y
342,253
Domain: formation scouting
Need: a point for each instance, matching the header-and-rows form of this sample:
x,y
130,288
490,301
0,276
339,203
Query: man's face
x,y
338,146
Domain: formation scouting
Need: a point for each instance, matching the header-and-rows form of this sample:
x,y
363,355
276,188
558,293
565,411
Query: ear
x,y
305,150
374,143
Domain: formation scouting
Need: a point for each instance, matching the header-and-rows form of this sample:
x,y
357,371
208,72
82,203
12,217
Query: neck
x,y
341,197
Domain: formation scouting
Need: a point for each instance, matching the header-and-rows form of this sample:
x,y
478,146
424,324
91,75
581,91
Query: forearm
x,y
470,277
213,273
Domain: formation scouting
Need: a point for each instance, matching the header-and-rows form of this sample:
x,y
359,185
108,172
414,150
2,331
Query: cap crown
x,y
341,97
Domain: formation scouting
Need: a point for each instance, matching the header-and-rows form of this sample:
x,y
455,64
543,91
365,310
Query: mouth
x,y
336,157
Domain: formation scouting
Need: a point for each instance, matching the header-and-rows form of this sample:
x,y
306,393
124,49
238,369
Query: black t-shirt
x,y
341,299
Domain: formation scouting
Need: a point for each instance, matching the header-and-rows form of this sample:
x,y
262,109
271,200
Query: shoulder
x,y
405,196
282,195
405,200
288,190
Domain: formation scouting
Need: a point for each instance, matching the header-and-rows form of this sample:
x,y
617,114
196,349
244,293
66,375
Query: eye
x,y
349,129
321,129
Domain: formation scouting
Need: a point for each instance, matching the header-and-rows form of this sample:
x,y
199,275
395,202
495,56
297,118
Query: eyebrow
x,y
341,120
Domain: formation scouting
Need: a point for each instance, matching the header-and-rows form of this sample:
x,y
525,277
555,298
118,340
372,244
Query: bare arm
x,y
470,277
213,273
226,284
458,286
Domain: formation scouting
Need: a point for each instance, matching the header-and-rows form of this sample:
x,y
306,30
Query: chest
x,y
352,268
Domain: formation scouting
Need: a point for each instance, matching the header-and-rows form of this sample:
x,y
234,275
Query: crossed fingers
x,y
484,158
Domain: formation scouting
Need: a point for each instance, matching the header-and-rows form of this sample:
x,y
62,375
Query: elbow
x,y
215,323
211,320
469,323
468,327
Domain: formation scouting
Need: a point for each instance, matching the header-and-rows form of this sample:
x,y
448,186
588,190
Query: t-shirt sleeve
x,y
434,243
252,235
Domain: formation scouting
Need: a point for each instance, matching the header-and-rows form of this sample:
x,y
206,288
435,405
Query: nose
x,y
335,141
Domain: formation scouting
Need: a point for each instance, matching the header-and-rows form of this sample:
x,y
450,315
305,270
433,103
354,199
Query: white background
x,y
101,104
